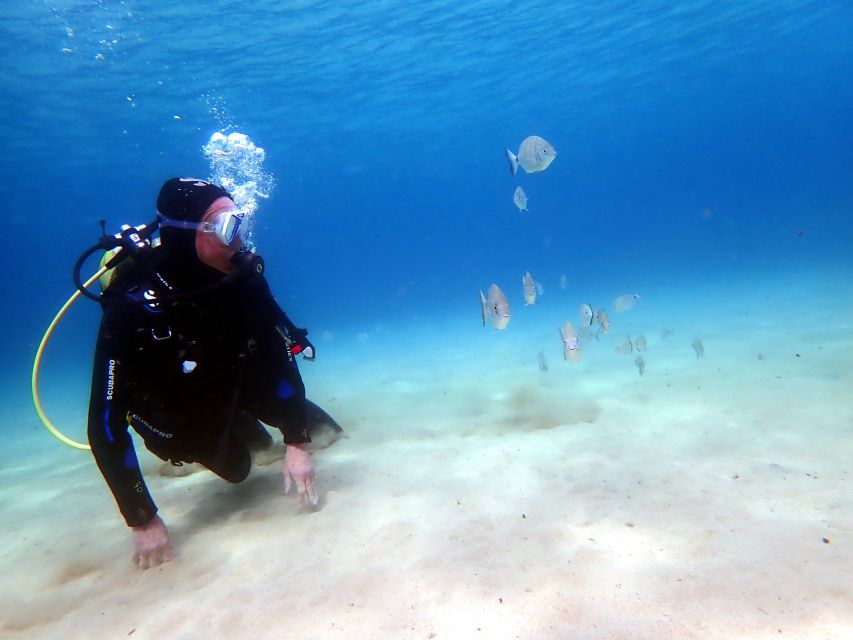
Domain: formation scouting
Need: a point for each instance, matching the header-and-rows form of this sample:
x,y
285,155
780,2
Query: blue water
x,y
705,162
699,144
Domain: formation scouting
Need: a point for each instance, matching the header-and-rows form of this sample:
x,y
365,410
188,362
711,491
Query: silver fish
x,y
534,154
520,199
495,307
625,301
529,286
640,343
641,364
543,366
571,344
625,347
586,315
699,348
603,321
563,282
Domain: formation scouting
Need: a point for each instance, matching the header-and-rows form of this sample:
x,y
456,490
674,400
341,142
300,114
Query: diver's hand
x,y
299,470
151,544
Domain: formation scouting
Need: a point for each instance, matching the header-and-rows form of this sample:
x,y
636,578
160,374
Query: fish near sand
x,y
586,315
641,364
529,286
495,307
534,154
699,348
640,343
625,347
571,344
520,199
543,365
603,322
625,301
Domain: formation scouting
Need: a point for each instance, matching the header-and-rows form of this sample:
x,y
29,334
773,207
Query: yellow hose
x,y
37,363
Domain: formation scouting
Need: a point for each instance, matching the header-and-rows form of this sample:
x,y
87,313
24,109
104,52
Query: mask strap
x,y
177,224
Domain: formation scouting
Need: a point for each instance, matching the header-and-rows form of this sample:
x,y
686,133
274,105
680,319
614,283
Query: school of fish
x,y
534,155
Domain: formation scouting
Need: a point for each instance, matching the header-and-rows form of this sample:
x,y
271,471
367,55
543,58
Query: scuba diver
x,y
192,353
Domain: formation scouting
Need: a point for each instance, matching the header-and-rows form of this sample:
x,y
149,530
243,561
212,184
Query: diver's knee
x,y
233,467
252,433
240,472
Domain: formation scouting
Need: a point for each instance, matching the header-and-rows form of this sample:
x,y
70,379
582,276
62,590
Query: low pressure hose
x,y
37,364
128,241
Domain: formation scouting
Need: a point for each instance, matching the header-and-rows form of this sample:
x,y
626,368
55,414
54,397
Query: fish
x,y
699,348
665,334
495,307
529,286
586,315
603,321
534,154
563,282
584,334
571,344
640,343
641,364
539,290
543,366
625,301
520,199
625,347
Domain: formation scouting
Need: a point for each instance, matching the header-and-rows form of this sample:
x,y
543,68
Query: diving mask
x,y
227,226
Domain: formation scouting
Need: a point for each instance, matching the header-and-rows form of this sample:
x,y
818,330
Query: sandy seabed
x,y
478,497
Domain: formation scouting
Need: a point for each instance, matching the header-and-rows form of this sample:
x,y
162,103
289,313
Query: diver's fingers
x,y
311,490
164,555
168,554
287,482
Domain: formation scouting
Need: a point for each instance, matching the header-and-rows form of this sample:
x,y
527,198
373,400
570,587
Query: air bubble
x,y
237,164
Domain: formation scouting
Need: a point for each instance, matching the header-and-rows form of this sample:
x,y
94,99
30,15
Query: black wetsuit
x,y
192,377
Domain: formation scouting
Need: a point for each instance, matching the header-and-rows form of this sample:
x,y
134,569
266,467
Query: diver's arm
x,y
275,364
111,443
267,311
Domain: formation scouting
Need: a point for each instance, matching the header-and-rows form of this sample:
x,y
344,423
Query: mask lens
x,y
228,227
231,228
